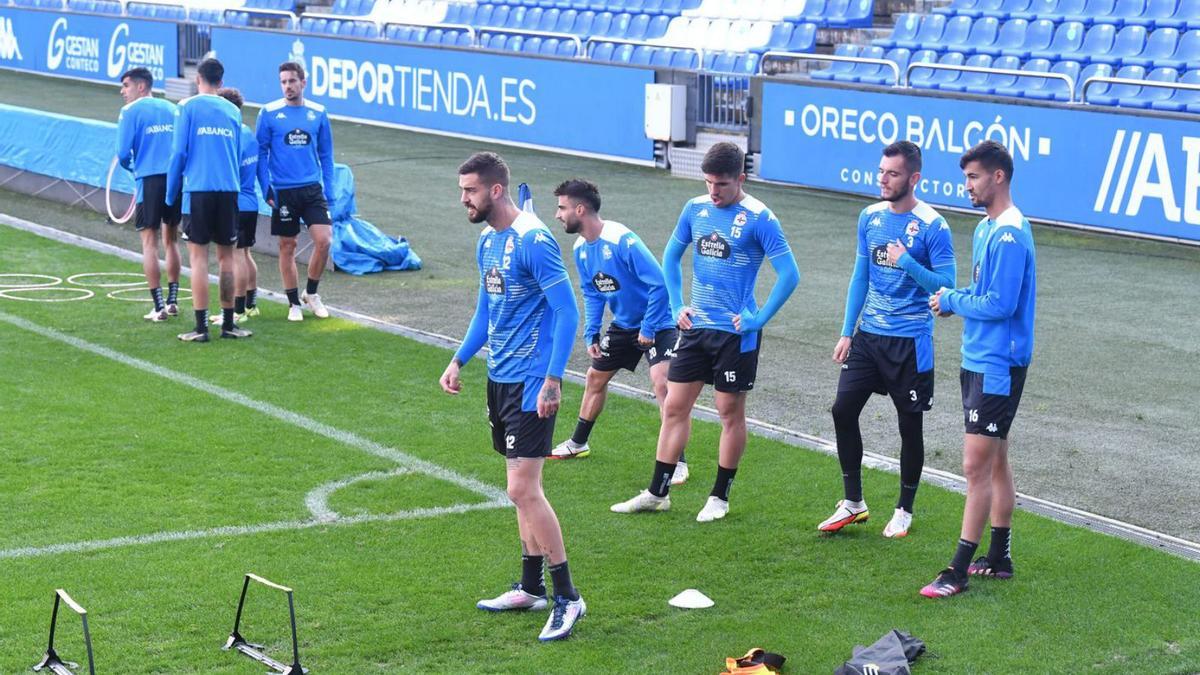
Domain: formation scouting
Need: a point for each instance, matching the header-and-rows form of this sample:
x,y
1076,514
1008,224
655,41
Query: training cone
x,y
691,599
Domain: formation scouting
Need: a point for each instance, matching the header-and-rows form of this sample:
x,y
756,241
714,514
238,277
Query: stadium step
x,y
178,88
685,162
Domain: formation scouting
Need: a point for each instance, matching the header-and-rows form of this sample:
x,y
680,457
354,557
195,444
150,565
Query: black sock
x,y
660,482
293,296
532,570
583,429
201,320
156,294
251,297
312,286
683,458
846,408
172,292
239,304
227,318
723,483
912,458
560,577
963,555
1000,548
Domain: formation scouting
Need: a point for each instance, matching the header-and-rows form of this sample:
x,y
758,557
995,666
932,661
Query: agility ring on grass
x,y
8,293
119,294
52,280
108,205
87,276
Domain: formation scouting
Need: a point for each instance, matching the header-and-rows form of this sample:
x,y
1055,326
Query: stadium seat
x,y
550,47
1156,10
483,15
533,45
1038,35
995,80
685,59
623,54
1130,42
1007,8
814,11
1097,43
1147,96
954,37
637,27
566,21
516,17
619,27
657,27
983,34
837,69
583,23
500,16
781,33
549,20
1010,36
653,7
925,78
956,6
495,41
929,33
1110,94
1123,10
434,36
603,51
566,49
661,57
1187,52
1068,38
804,38
980,8
1160,44
1187,15
642,54
877,74
601,24
747,64
1065,8
905,30
1091,10
1023,84
1038,9
1182,100
721,63
966,78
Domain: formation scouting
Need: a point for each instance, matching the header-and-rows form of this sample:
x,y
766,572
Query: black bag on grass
x,y
890,655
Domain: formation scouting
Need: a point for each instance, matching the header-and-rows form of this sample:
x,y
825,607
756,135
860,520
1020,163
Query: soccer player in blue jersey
x,y
616,271
998,313
526,315
295,171
206,162
905,253
144,131
245,271
730,233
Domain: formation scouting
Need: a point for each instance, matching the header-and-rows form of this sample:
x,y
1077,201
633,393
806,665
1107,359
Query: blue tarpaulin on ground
x,y
81,150
358,246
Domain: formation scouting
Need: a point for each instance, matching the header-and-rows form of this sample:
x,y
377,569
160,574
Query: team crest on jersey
x,y
607,252
508,245
913,229
740,219
605,283
713,246
493,282
312,116
879,255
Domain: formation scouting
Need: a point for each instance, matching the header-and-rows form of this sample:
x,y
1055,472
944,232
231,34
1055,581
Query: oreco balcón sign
x,y
573,105
86,46
1101,169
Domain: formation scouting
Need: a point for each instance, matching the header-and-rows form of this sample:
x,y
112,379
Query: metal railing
x,y
890,65
536,33
1087,84
723,101
293,20
342,17
469,30
642,43
195,40
994,71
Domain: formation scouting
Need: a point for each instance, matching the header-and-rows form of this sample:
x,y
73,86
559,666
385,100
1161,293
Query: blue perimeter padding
x,y
358,246
81,151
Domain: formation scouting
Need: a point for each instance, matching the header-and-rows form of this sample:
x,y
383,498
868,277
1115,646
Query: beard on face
x,y
898,193
480,212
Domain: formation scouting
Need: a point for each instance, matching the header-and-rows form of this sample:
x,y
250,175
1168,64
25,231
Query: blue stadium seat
x,y
532,18
1065,8
905,30
1097,43
1023,84
1160,44
450,37
566,20
661,57
550,46
641,55
835,12
747,64
434,36
1038,9
635,6
603,51
721,63
1057,90
1182,100
1123,11
601,24
814,11
549,19
1038,35
1187,15
1068,38
957,6
672,7
1007,8
966,79
623,54
924,78
929,33
1187,52
466,15
653,7
804,38
566,49
516,17
360,29
533,45
981,8
619,27
1010,36
583,23
637,27
869,73
781,32
1111,94
495,41
1129,43
500,16
614,6
515,43
684,59
983,34
859,70
1147,96
483,15
657,27
1156,10
837,69
994,80
1093,10
955,35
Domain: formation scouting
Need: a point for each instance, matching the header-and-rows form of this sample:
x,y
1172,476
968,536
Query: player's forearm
x,y
785,283
673,274
856,296
930,280
593,312
566,321
477,331
990,306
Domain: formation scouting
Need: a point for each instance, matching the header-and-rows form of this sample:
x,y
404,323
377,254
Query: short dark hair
x,y
295,67
911,152
491,168
232,95
724,159
991,156
139,74
211,71
581,191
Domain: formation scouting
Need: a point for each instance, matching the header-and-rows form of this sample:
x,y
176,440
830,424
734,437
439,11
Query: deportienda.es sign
x,y
425,89
86,46
1107,169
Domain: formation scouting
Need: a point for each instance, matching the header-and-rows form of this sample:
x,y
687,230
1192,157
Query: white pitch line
x,y
238,530
318,500
344,437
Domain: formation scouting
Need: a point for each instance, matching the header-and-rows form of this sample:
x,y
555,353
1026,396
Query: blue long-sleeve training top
x,y
144,132
998,306
618,271
206,148
248,172
295,147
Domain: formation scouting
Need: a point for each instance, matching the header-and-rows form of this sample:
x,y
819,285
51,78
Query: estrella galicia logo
x,y
9,49
605,283
713,246
879,256
493,282
297,138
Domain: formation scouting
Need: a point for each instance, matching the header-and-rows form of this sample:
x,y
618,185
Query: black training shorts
x,y
901,367
153,211
517,431
619,348
990,401
214,219
247,228
728,361
293,205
